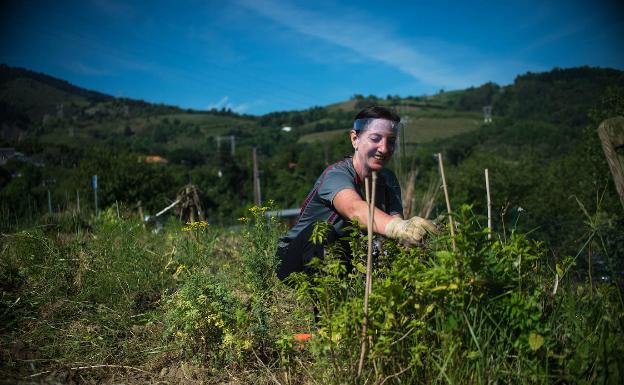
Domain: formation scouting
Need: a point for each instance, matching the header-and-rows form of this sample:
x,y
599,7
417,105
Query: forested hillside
x,y
541,148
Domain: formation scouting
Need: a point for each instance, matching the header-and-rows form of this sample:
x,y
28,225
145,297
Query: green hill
x,y
418,127
51,111
541,148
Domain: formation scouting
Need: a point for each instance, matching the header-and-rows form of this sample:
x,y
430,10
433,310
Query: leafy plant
x,y
482,313
204,318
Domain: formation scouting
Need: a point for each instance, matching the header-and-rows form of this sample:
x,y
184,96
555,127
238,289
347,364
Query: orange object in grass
x,y
302,337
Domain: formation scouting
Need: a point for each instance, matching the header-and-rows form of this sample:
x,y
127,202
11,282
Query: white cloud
x,y
220,104
367,37
224,102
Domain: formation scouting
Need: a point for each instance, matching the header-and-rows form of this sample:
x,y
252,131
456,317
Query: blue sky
x,y
259,56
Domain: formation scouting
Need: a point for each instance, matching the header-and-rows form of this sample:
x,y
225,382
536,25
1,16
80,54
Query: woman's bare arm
x,y
351,206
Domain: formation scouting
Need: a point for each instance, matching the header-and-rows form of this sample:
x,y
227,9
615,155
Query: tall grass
x,y
195,302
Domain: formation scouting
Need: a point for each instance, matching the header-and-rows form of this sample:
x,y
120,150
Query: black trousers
x,y
296,254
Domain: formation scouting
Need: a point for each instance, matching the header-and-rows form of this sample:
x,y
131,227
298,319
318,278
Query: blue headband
x,y
360,125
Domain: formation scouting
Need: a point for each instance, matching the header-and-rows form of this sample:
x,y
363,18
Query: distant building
x,y
6,153
153,159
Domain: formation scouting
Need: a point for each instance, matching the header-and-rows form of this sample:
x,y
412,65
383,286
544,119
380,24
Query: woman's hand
x,y
411,230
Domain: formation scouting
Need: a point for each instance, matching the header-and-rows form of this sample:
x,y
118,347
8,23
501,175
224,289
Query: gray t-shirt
x,y
337,177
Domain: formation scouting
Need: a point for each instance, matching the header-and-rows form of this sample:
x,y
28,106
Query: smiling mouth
x,y
380,157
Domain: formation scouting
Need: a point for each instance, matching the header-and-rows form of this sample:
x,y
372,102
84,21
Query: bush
x,y
484,312
205,320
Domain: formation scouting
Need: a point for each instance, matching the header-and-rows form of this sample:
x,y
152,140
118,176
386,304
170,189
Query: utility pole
x,y
48,183
256,179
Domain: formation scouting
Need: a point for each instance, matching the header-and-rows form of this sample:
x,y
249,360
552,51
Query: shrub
x,y
204,318
482,313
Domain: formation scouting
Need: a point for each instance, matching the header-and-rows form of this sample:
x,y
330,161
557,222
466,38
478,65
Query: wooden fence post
x,y
370,199
611,133
448,202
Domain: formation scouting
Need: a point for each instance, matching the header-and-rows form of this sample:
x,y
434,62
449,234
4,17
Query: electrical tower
x,y
232,140
487,114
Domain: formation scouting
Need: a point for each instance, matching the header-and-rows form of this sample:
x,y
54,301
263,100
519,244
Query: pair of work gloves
x,y
410,231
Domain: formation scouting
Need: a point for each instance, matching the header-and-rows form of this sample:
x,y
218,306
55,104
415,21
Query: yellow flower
x,y
195,226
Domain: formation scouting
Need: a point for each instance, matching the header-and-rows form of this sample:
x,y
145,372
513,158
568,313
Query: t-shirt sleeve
x,y
394,202
335,180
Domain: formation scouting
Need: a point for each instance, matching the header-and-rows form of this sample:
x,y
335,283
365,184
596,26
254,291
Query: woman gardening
x,y
337,195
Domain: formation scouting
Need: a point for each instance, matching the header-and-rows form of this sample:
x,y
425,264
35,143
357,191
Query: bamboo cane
x,y
369,265
448,202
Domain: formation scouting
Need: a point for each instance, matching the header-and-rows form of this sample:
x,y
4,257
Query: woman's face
x,y
374,145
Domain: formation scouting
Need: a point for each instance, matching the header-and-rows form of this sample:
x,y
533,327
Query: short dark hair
x,y
378,112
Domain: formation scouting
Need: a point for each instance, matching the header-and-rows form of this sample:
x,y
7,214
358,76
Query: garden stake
x,y
369,265
489,203
448,202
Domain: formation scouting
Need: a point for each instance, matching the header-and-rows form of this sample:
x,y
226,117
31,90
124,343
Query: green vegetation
x,y
86,299
541,149
543,131
540,303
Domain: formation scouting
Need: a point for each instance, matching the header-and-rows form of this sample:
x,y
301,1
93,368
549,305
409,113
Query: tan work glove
x,y
411,230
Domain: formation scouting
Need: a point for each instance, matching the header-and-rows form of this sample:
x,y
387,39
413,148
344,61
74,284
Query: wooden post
x,y
489,204
95,197
611,133
371,227
370,200
29,209
448,202
141,217
49,202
